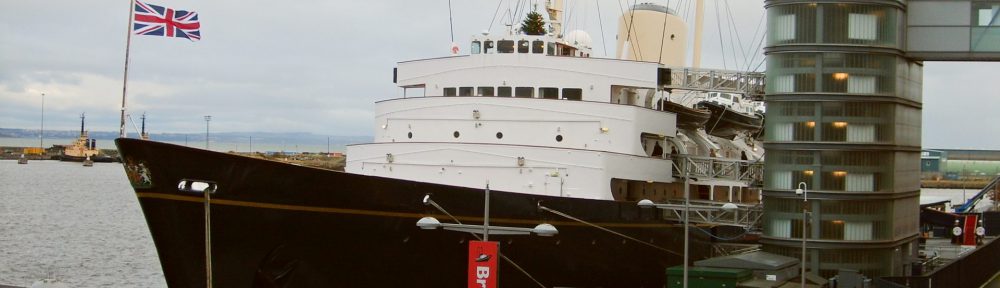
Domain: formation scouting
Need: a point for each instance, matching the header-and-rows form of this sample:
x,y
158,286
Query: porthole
x,y
409,135
499,135
558,138
455,134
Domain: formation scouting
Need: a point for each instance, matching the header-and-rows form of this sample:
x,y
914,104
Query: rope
x,y
722,46
567,216
504,257
663,33
494,15
600,21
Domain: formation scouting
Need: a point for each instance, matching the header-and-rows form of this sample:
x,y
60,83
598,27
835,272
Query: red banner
x,y
483,269
969,230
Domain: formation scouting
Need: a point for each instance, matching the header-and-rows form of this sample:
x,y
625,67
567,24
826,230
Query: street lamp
x,y
646,203
208,118
805,204
41,131
544,229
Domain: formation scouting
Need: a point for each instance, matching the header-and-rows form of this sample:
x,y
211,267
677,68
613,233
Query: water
x,y
81,226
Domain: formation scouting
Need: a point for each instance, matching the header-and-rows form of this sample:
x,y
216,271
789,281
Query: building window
x,y
488,47
987,14
503,91
485,91
572,94
784,28
862,27
548,93
538,47
505,46
522,46
450,91
465,91
476,47
524,92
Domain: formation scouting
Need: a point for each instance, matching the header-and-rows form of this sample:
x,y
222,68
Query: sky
x,y
319,66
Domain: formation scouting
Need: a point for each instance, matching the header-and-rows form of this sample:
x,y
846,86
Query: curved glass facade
x,y
844,118
834,23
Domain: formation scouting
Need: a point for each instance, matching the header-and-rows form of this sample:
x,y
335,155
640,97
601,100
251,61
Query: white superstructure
x,y
531,114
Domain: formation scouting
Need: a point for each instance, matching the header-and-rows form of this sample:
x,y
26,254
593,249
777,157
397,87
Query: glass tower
x,y
843,117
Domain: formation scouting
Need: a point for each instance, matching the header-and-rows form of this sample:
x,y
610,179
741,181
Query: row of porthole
x,y
409,135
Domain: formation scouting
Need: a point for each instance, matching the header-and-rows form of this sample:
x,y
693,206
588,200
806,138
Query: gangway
x,y
711,168
971,203
750,84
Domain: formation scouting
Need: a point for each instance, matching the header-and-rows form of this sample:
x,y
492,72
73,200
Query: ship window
x,y
488,47
548,93
499,135
522,46
524,92
449,91
503,91
409,135
551,49
559,138
485,91
537,47
572,94
455,134
476,47
464,91
505,46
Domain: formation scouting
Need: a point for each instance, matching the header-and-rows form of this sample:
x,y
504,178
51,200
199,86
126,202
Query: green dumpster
x,y
705,277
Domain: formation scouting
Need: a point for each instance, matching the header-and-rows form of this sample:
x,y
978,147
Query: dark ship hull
x,y
688,118
727,123
281,225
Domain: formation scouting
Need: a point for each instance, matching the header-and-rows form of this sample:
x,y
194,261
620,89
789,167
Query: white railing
x,y
750,84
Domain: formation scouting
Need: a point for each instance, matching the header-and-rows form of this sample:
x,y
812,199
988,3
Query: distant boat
x,y
88,163
22,160
83,149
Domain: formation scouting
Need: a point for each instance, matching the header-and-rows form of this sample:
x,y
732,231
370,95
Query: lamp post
x,y
686,208
208,118
41,131
805,204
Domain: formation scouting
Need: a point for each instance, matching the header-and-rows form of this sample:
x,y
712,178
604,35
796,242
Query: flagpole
x,y
128,44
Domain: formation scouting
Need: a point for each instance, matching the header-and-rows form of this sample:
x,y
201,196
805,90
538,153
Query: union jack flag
x,y
159,21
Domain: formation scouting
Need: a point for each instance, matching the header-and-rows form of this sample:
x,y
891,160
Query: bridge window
x,y
537,47
504,91
551,50
464,91
488,46
476,46
450,91
548,93
522,46
524,92
572,94
505,46
485,91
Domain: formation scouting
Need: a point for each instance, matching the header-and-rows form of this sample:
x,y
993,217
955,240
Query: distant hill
x,y
236,137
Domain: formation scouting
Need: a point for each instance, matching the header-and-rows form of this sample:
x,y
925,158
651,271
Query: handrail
x,y
750,84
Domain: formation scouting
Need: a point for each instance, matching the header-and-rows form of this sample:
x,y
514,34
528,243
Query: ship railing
x,y
749,84
713,213
710,168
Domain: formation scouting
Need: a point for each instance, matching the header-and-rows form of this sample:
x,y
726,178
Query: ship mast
x,y
82,117
142,134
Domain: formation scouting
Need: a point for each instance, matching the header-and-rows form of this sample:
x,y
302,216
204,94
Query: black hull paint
x,y
282,225
727,123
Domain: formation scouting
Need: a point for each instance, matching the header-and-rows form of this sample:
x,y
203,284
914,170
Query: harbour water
x,y
83,226
79,226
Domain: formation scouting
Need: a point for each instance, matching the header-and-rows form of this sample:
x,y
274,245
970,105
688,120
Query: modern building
x,y
843,120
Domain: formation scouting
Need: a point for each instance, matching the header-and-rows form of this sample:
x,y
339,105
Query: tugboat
x,y
83,148
554,137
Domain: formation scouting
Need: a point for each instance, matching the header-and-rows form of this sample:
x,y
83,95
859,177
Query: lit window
x,y
522,46
537,47
505,46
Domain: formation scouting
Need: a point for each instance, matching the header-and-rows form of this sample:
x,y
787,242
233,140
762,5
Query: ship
x,y
83,149
731,116
524,130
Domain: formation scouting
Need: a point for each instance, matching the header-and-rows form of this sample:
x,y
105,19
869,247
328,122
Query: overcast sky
x,y
318,66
